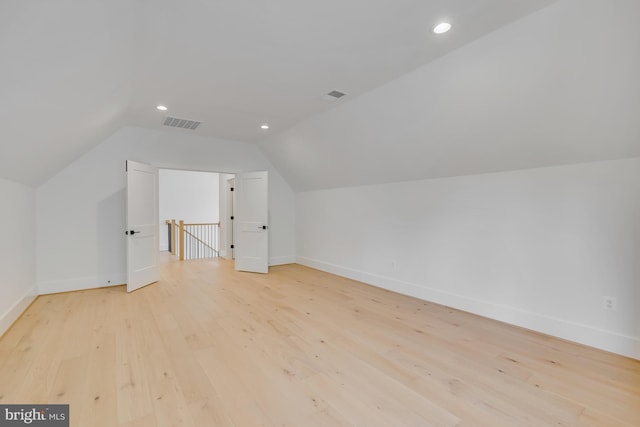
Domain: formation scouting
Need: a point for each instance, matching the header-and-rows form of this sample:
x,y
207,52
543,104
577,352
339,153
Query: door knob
x,y
262,227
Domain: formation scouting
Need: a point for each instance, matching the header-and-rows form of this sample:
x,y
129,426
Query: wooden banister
x,y
181,240
173,236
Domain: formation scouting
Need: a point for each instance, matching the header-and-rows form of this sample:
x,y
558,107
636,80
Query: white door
x,y
251,234
231,200
142,225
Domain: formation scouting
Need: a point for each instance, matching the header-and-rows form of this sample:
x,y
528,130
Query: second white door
x,y
251,235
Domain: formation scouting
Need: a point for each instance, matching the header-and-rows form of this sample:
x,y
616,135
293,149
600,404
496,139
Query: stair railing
x,y
193,241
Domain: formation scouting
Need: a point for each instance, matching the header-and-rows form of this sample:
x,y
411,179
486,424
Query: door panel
x,y
251,221
142,230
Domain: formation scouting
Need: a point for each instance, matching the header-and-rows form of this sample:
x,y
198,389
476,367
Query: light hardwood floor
x,y
207,346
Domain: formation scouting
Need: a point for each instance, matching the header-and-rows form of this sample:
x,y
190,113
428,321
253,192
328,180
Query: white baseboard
x,y
80,283
594,337
11,315
281,260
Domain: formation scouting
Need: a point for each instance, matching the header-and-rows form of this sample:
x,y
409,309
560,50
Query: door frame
x,y
225,224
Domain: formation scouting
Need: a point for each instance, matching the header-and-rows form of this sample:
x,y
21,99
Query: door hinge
x,y
233,246
232,218
231,189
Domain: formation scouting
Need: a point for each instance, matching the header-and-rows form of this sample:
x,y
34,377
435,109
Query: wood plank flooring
x,y
207,346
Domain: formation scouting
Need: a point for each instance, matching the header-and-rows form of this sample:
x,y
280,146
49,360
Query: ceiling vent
x,y
181,123
333,95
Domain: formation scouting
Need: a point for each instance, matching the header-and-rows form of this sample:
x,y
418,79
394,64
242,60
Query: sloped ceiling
x,y
560,86
65,69
74,71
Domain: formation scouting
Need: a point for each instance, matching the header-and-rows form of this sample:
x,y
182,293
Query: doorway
x,y
189,213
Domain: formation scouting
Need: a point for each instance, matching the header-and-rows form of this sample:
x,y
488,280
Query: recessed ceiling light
x,y
161,108
265,127
442,28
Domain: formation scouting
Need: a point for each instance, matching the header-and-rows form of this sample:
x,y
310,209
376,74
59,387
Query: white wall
x,y
186,195
80,211
537,248
17,251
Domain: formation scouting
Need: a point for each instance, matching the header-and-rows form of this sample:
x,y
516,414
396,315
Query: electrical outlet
x,y
610,303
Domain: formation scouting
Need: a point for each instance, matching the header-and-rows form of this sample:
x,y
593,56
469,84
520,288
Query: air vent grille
x,y
336,94
181,123
333,95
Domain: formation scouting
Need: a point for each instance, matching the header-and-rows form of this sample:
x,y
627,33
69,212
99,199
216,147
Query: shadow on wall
x,y
110,225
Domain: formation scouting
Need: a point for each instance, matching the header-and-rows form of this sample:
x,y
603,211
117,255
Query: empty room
x,y
320,213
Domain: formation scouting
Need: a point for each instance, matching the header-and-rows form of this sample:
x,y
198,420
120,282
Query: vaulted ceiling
x,y
74,71
557,87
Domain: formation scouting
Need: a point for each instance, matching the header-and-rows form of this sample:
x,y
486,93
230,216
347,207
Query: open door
x,y
231,203
142,225
251,234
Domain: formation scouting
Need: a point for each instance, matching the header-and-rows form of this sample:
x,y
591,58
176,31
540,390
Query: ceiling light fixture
x,y
161,108
442,28
265,127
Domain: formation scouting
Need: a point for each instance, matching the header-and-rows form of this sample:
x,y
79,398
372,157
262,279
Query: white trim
x,y
11,315
81,283
599,338
281,260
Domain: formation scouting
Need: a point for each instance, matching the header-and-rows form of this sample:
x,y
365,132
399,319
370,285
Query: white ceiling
x,y
560,86
74,71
